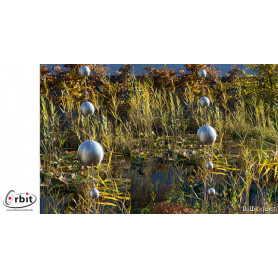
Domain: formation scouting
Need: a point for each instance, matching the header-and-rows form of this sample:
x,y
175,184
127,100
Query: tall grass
x,y
144,122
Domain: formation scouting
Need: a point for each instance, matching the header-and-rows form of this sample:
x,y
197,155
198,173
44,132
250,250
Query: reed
x,y
150,128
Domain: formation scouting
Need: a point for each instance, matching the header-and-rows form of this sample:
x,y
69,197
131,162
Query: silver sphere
x,y
94,193
211,191
87,108
202,73
90,153
84,71
206,135
204,102
209,165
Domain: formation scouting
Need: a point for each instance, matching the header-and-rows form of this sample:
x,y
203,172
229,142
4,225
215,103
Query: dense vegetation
x,y
153,162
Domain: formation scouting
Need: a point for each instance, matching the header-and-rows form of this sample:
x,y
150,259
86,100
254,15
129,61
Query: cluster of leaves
x,y
69,78
168,78
172,208
163,77
267,82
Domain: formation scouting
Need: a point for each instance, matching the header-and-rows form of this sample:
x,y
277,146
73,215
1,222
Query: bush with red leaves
x,y
172,208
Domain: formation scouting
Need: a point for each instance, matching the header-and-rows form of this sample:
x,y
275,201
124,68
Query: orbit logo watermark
x,y
19,201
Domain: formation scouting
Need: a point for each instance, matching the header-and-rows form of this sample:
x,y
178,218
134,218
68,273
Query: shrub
x,y
172,208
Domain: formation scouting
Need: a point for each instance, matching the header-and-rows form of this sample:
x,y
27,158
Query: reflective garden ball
x,y
87,108
84,71
94,193
209,165
202,73
90,153
206,135
204,102
211,191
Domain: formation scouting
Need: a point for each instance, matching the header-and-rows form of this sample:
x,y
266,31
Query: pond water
x,y
148,180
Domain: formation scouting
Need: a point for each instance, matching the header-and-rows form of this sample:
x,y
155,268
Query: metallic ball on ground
x,y
90,153
204,102
202,73
209,165
87,108
84,71
211,191
206,135
94,193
